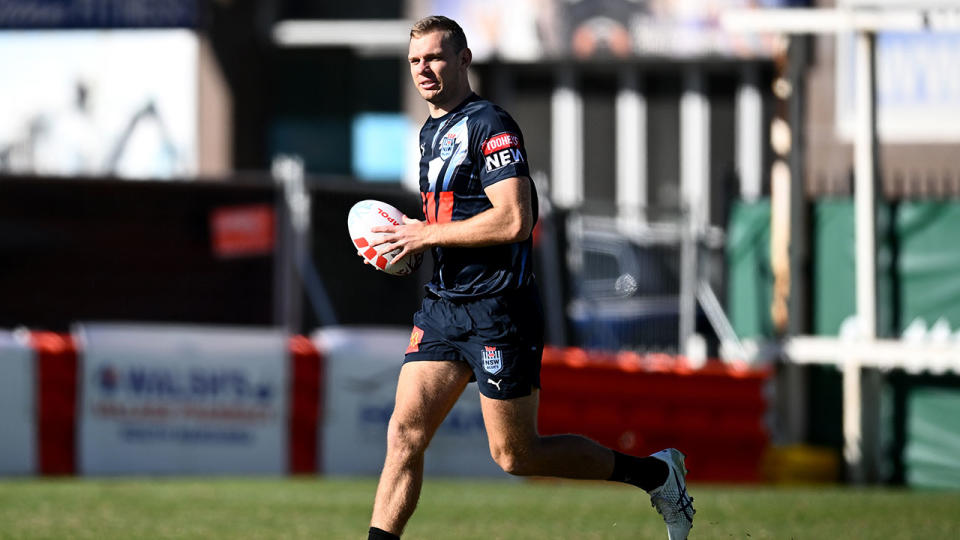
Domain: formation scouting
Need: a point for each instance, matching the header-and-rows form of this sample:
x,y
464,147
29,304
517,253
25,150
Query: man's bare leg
x,y
426,391
517,447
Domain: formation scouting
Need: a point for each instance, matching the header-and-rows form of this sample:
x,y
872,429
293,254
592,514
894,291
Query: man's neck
x,y
436,111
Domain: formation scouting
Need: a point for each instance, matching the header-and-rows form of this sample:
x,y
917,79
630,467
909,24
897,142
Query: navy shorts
x,y
500,337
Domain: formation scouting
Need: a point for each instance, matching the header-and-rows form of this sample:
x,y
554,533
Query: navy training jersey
x,y
468,149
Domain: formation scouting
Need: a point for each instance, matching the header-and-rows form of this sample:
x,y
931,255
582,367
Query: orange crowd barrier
x,y
306,400
639,404
56,398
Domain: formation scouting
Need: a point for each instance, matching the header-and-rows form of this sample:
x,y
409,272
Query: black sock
x,y
646,473
380,534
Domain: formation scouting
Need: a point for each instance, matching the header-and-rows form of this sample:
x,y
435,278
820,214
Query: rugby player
x,y
481,318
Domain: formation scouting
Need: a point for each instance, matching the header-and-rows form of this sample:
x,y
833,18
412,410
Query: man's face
x,y
438,72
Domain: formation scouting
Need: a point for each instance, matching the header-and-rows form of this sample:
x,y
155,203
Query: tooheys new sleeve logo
x,y
500,150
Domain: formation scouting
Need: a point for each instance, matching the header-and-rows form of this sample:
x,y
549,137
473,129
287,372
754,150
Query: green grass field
x,y
455,509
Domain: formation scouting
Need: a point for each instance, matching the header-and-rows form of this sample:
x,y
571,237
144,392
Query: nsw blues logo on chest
x,y
447,145
446,152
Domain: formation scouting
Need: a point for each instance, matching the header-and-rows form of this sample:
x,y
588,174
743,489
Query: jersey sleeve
x,y
499,149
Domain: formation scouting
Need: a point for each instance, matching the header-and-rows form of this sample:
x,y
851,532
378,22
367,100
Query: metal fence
x,y
645,287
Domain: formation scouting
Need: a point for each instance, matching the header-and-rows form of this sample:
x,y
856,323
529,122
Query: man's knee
x,y
405,439
518,459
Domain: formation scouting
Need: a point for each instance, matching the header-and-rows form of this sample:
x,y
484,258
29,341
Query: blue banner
x,y
54,14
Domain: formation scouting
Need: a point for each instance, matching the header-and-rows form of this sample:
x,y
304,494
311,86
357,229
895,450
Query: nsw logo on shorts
x,y
492,359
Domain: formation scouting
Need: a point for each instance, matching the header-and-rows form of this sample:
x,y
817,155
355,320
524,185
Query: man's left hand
x,y
411,238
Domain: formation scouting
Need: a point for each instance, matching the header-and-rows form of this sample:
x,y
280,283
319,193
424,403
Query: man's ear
x,y
466,57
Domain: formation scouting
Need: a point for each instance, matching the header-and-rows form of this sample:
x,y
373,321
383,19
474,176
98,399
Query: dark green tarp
x,y
749,278
834,267
932,453
929,262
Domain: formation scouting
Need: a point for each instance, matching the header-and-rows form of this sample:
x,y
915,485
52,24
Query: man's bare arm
x,y
509,220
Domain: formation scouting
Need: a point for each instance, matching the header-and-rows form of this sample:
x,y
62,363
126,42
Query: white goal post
x,y
865,351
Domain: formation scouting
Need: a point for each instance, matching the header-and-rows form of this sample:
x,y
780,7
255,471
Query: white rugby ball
x,y
368,214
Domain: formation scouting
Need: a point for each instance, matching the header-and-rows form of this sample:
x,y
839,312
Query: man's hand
x,y
411,238
509,220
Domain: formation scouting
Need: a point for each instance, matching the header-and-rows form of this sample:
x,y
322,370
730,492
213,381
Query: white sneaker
x,y
671,499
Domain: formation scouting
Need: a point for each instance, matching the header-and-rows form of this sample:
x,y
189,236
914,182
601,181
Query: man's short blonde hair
x,y
452,33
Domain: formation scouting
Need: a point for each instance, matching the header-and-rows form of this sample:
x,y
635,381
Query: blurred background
x,y
752,205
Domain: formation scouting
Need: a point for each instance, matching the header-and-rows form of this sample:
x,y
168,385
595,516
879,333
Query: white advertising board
x,y
159,399
361,366
18,420
918,87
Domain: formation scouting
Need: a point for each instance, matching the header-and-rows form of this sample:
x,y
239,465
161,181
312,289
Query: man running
x,y
481,318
